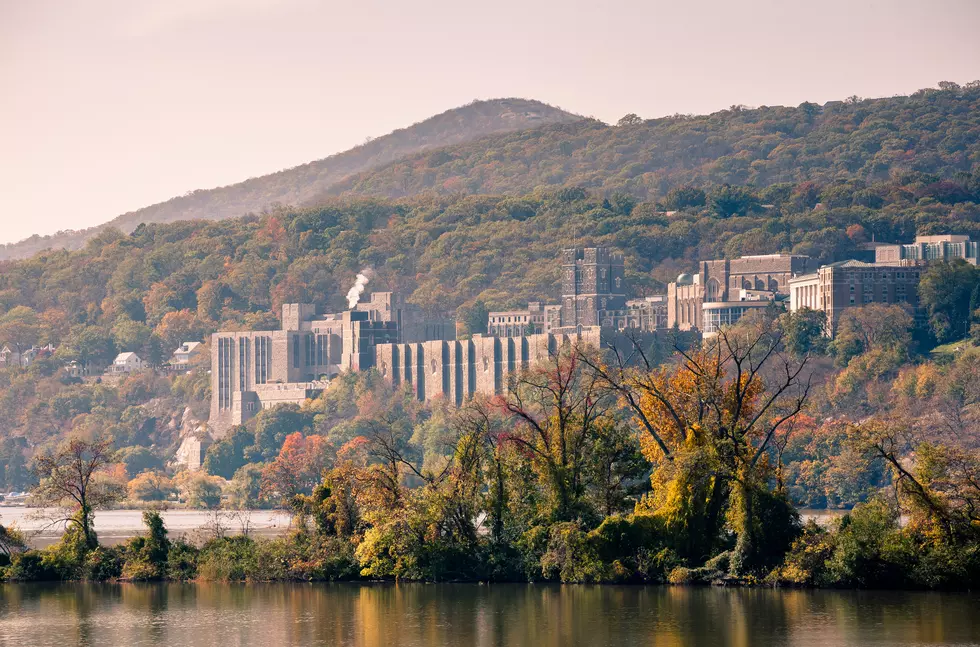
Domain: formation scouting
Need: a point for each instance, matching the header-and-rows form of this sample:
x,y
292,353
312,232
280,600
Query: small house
x,y
184,355
127,363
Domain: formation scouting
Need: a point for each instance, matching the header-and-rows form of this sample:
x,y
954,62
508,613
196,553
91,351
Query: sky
x,y
107,106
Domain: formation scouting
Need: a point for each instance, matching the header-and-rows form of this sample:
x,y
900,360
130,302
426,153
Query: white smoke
x,y
354,294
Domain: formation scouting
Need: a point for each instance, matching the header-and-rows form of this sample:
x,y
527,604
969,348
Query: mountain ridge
x,y
300,184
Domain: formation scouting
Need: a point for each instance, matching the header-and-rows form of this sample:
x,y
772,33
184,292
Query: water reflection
x,y
497,615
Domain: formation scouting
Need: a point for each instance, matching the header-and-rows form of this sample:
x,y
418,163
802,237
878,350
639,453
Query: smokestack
x,y
354,294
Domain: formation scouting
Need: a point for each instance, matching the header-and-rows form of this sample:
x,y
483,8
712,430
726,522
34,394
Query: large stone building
x,y
458,370
893,278
593,293
714,293
259,369
929,248
850,284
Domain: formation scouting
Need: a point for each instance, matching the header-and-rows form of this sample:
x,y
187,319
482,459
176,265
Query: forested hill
x,y
936,131
301,184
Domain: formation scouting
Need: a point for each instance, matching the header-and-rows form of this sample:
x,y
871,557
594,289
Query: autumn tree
x,y
298,468
561,411
69,479
710,426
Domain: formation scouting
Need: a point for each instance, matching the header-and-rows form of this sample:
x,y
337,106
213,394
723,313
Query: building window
x,y
435,367
295,351
486,365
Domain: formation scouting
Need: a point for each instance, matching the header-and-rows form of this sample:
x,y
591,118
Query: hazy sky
x,y
108,106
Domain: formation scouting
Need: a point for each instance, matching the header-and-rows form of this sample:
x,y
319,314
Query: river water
x,y
436,615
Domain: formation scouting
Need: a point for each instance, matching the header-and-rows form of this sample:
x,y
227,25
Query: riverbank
x,y
114,527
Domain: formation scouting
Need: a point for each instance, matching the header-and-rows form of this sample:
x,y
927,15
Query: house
x,y
184,355
126,363
81,370
10,357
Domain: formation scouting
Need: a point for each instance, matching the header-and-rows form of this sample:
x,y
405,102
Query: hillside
x,y
932,131
300,184
165,283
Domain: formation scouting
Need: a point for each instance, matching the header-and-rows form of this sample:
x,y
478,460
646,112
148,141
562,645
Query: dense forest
x,y
872,140
656,489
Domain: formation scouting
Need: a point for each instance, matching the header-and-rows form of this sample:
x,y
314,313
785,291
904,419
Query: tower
x,y
592,281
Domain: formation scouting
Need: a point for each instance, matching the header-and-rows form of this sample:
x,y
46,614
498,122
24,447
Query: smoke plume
x,y
354,294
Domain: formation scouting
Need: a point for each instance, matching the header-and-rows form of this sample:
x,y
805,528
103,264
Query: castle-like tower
x,y
592,281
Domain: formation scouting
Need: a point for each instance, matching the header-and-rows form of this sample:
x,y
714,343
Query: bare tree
x,y
69,480
562,408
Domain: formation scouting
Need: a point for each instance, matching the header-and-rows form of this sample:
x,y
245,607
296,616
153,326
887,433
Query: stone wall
x,y
458,370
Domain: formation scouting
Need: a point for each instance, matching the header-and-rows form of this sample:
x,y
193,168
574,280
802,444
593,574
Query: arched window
x,y
486,365
714,289
435,367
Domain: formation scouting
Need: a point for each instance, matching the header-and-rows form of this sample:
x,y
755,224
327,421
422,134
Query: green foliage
x,y
728,201
147,556
946,292
805,332
226,456
138,459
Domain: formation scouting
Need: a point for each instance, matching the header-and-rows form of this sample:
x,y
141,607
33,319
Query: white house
x,y
127,363
183,356
10,357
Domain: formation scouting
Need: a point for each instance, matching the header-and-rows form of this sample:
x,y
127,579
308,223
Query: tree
x,y
273,425
945,292
177,327
199,489
151,486
228,455
11,541
711,424
728,201
874,327
476,317
561,411
69,479
19,328
805,331
138,459
684,197
630,119
298,468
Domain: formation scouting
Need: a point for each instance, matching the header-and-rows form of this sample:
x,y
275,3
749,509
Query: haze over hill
x,y
300,184
512,146
873,140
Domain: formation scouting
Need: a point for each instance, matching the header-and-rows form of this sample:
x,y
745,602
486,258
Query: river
x,y
512,615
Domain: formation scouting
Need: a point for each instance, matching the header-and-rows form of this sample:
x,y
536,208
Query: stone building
x,y
536,319
730,281
849,284
592,283
929,248
458,370
593,293
253,370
